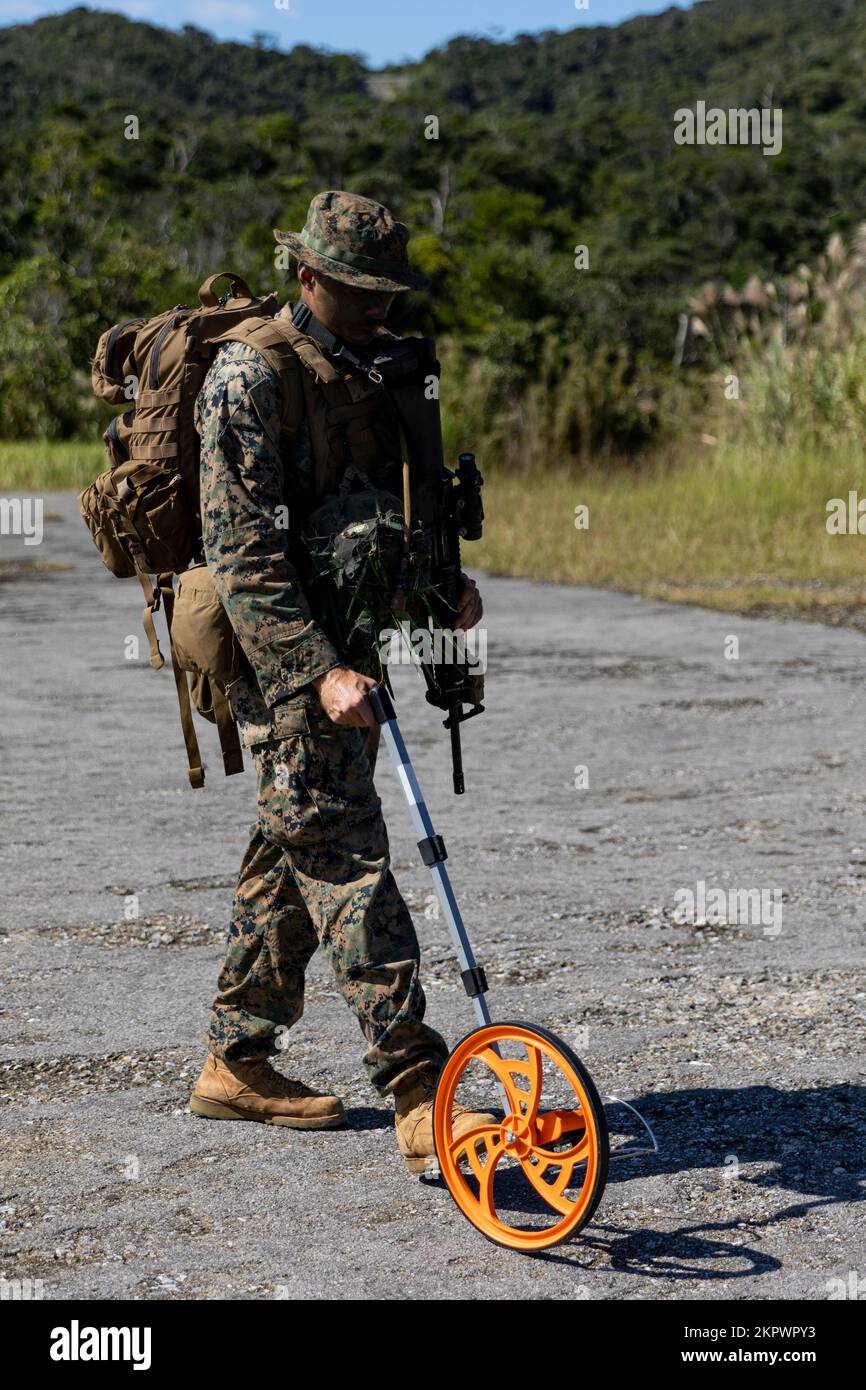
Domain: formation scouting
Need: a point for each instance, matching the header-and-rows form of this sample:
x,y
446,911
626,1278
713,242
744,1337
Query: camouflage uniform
x,y
316,871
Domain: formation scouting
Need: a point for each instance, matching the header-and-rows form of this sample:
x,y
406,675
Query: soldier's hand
x,y
343,694
469,606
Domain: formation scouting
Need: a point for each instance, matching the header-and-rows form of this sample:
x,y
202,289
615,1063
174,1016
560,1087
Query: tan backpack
x,y
143,511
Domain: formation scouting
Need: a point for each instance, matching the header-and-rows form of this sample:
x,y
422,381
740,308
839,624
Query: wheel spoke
x,y
468,1144
532,1069
504,1067
553,1193
489,1133
579,1153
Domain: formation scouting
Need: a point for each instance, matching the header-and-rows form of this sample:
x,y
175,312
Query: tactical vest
x,y
353,418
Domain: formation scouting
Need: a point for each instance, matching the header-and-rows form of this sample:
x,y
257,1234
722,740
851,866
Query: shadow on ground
x,y
813,1138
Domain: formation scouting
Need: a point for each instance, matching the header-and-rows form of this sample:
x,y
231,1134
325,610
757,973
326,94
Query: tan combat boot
x,y
413,1122
255,1091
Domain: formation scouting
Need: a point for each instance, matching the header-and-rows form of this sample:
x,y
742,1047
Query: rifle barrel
x,y
456,749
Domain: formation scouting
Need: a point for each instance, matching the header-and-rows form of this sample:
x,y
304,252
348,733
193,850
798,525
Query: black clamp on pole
x,y
474,981
433,850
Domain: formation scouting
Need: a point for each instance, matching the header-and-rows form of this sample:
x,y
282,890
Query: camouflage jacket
x,y
247,488
245,482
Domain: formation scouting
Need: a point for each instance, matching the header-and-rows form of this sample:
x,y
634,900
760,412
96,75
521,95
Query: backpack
x,y
143,512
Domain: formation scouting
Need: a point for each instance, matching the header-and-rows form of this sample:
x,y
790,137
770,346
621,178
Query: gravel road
x,y
742,1041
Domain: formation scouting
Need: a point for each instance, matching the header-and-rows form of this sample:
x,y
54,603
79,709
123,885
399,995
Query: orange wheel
x,y
544,1165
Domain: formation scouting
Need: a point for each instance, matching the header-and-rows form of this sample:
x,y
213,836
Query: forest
x,y
503,157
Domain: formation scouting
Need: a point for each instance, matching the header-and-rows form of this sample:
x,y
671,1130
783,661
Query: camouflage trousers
x,y
317,873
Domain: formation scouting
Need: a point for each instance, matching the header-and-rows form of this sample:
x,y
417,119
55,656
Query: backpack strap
x,y
282,359
151,604
306,349
195,772
233,758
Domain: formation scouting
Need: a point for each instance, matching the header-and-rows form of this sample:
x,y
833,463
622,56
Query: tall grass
x,y
733,528
47,465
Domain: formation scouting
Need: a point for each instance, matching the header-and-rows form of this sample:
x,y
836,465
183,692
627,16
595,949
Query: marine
x,y
316,872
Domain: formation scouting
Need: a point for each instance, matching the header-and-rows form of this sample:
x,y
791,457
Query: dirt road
x,y
742,1041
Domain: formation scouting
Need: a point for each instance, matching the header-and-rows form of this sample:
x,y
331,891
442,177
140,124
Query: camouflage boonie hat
x,y
355,240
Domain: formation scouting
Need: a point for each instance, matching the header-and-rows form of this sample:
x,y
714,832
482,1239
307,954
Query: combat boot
x,y
413,1105
253,1090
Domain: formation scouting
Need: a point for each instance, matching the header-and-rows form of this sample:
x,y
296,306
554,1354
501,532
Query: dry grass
x,y
45,465
733,530
740,529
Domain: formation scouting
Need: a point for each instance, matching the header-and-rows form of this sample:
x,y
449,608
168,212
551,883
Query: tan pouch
x,y
113,371
203,636
139,518
205,645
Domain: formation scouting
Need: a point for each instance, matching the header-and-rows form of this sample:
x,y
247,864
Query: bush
x,y
42,389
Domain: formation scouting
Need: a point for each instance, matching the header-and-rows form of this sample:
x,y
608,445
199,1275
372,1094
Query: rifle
x,y
455,682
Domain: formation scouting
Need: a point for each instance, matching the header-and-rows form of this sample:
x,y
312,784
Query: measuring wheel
x,y
536,1176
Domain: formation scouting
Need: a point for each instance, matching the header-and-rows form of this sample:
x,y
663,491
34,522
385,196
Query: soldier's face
x,y
350,313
